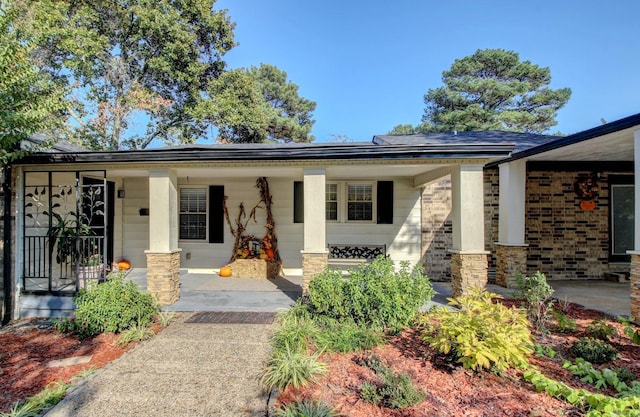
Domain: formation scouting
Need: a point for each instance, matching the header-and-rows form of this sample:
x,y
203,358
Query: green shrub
x,y
113,306
294,333
135,333
374,295
307,408
393,391
537,293
593,350
345,336
481,334
630,329
288,367
564,323
600,329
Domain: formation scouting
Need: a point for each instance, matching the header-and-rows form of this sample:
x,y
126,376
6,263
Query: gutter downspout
x,y
7,282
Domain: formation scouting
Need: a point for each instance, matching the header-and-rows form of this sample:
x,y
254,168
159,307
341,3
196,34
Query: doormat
x,y
232,317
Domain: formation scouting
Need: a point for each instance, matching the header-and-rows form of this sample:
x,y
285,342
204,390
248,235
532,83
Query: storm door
x,y
65,230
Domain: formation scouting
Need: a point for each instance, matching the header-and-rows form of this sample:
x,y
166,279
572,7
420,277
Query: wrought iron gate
x,y
64,230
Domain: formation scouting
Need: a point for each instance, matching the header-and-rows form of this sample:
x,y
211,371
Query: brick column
x,y
510,260
314,254
635,286
468,270
163,276
163,256
469,263
312,264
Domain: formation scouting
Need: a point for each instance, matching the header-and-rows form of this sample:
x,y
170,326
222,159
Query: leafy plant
x,y
64,325
307,408
51,395
537,293
625,374
598,404
601,379
294,333
136,333
165,318
113,306
375,295
593,350
600,329
481,334
394,391
564,323
345,336
544,351
288,367
630,330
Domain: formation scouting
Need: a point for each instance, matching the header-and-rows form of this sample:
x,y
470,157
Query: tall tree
x,y
138,69
257,105
493,89
29,101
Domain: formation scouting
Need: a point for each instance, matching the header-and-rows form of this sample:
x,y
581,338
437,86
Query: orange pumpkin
x,y
587,205
124,264
270,253
225,271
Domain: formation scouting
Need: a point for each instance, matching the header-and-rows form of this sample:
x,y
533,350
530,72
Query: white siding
x,y
135,228
402,237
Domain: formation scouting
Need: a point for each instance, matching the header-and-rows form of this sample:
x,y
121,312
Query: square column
x,y
314,254
163,256
635,254
469,262
511,251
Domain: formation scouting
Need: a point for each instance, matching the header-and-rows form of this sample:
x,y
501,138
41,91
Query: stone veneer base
x,y
510,261
163,276
635,287
468,270
313,263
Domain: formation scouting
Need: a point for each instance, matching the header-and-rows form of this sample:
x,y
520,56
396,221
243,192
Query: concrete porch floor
x,y
612,298
210,292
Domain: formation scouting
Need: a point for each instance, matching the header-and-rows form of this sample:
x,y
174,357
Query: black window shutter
x,y
385,202
216,214
298,202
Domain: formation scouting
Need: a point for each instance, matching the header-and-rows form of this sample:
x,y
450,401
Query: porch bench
x,y
345,256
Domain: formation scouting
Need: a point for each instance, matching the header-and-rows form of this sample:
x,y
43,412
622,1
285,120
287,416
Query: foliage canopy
x,y
159,64
491,90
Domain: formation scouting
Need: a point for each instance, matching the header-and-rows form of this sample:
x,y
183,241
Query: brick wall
x,y
437,230
566,242
491,216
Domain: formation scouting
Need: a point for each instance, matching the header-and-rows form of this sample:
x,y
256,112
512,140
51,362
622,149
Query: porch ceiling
x,y
616,146
351,171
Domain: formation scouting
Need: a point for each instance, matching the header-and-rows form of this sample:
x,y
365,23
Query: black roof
x,y
521,141
595,132
277,152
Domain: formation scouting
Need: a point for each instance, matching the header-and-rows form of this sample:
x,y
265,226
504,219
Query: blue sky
x,y
367,65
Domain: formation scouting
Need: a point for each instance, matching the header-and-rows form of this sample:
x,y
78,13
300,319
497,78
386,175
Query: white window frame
x,y
206,213
612,228
337,201
345,207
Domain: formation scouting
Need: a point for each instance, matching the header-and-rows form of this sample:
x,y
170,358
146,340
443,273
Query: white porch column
x,y
163,256
635,254
314,254
511,251
468,255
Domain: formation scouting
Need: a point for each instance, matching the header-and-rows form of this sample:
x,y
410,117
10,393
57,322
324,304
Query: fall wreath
x,y
587,188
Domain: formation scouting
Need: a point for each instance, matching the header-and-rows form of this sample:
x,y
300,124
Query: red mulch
x,y
27,346
453,391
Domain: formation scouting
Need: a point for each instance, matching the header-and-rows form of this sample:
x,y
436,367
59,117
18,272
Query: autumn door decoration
x,y
248,246
587,189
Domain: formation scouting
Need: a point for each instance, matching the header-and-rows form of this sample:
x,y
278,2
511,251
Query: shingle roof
x,y
522,141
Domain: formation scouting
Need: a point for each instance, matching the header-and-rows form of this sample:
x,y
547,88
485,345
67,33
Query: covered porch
x,y
571,209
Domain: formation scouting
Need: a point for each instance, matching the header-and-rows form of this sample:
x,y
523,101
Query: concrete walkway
x,y
189,369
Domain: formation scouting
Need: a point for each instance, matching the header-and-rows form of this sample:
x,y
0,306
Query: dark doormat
x,y
232,317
